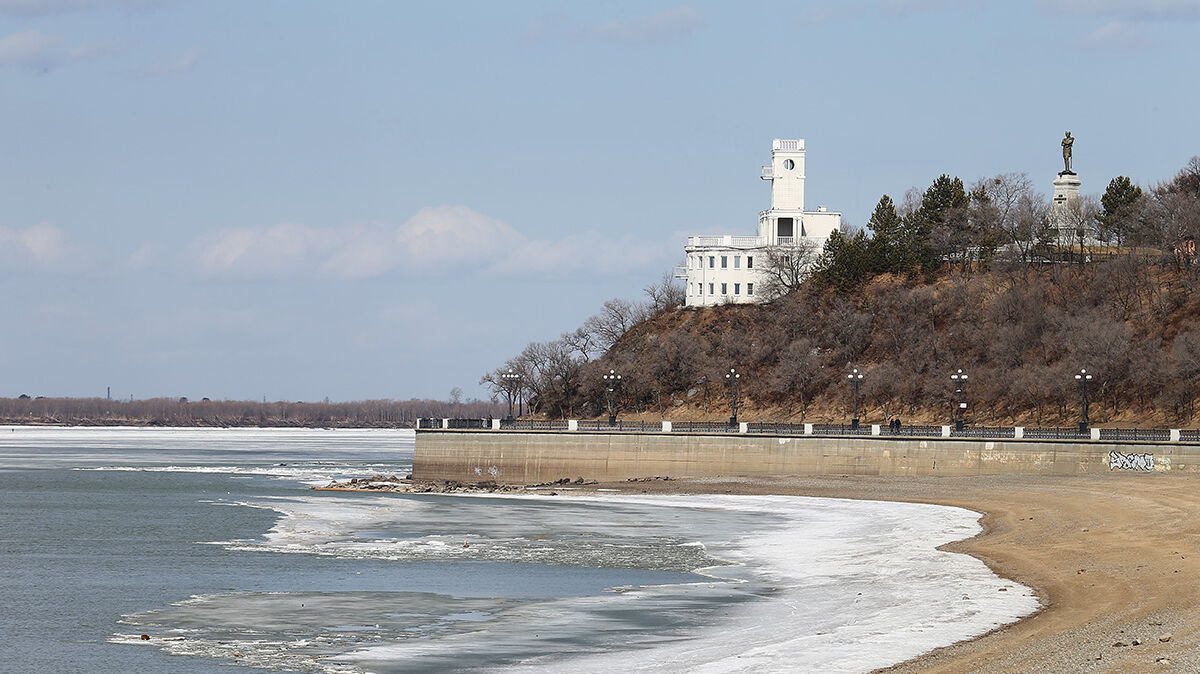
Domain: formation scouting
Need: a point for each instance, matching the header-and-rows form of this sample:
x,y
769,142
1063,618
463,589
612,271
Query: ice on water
x,y
788,582
586,583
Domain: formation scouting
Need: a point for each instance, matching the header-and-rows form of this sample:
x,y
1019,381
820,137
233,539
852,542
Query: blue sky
x,y
302,200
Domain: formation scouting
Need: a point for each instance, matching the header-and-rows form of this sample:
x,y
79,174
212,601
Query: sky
x,y
302,200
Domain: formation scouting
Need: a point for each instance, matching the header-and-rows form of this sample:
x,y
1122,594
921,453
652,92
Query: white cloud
x,y
30,8
40,51
828,12
280,250
175,65
657,28
1116,35
651,29
32,48
442,240
913,6
37,247
593,252
42,7
1133,10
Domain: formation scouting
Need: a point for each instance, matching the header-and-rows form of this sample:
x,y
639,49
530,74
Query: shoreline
x,y
1110,558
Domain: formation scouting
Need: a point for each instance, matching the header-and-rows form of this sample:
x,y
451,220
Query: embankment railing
x,y
785,429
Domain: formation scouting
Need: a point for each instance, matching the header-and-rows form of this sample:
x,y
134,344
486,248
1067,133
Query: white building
x,y
729,268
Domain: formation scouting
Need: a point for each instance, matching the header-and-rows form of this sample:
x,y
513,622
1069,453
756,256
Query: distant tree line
x,y
182,412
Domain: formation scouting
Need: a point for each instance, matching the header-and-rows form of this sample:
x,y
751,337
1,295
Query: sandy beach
x,y
1113,558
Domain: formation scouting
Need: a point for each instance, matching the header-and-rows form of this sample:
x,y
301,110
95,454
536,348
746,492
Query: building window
x,y
789,164
712,261
737,289
710,289
749,262
737,261
749,288
724,289
724,262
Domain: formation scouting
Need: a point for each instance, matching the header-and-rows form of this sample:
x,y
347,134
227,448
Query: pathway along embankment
x,y
536,457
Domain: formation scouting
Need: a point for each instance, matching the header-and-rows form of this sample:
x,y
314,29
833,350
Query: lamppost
x,y
960,380
611,380
855,378
732,377
1083,378
512,383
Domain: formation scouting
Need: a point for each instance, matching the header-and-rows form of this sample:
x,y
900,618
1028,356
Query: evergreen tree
x,y
845,263
1118,209
886,248
931,231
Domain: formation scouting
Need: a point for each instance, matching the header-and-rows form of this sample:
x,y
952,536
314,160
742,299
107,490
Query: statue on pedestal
x,y
1066,146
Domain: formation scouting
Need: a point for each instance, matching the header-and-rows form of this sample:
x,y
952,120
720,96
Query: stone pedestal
x,y
1064,206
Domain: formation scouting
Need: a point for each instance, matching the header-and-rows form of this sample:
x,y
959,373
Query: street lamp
x,y
512,383
960,380
855,379
732,377
611,380
1083,378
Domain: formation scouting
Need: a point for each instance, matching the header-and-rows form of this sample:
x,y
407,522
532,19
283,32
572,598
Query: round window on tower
x,y
789,164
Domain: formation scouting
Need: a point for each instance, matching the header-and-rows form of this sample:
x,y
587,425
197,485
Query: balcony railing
x,y
768,172
728,241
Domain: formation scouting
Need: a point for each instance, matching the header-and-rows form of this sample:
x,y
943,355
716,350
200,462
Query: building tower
x,y
783,222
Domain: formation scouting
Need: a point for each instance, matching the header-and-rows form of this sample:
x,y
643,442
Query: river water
x,y
210,543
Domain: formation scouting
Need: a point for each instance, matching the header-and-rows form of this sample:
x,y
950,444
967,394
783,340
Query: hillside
x,y
1021,334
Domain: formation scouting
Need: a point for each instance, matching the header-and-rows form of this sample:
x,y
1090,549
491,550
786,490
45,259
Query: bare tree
x,y
615,319
785,268
1016,211
665,295
582,342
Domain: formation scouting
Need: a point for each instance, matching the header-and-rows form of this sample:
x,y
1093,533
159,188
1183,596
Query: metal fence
x,y
794,429
841,429
627,426
706,427
916,430
532,425
776,427
984,432
1051,433
1135,434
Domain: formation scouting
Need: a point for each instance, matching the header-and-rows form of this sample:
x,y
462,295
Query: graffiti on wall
x,y
1119,461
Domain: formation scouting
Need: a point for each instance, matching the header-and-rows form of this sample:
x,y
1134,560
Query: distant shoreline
x,y
135,423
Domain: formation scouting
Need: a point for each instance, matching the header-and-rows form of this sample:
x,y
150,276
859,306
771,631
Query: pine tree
x,y
1119,208
845,263
931,231
887,250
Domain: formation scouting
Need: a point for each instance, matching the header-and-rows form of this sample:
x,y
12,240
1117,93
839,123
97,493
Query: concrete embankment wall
x,y
514,457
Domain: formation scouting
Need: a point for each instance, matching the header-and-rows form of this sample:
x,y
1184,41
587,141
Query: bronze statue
x,y
1066,144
